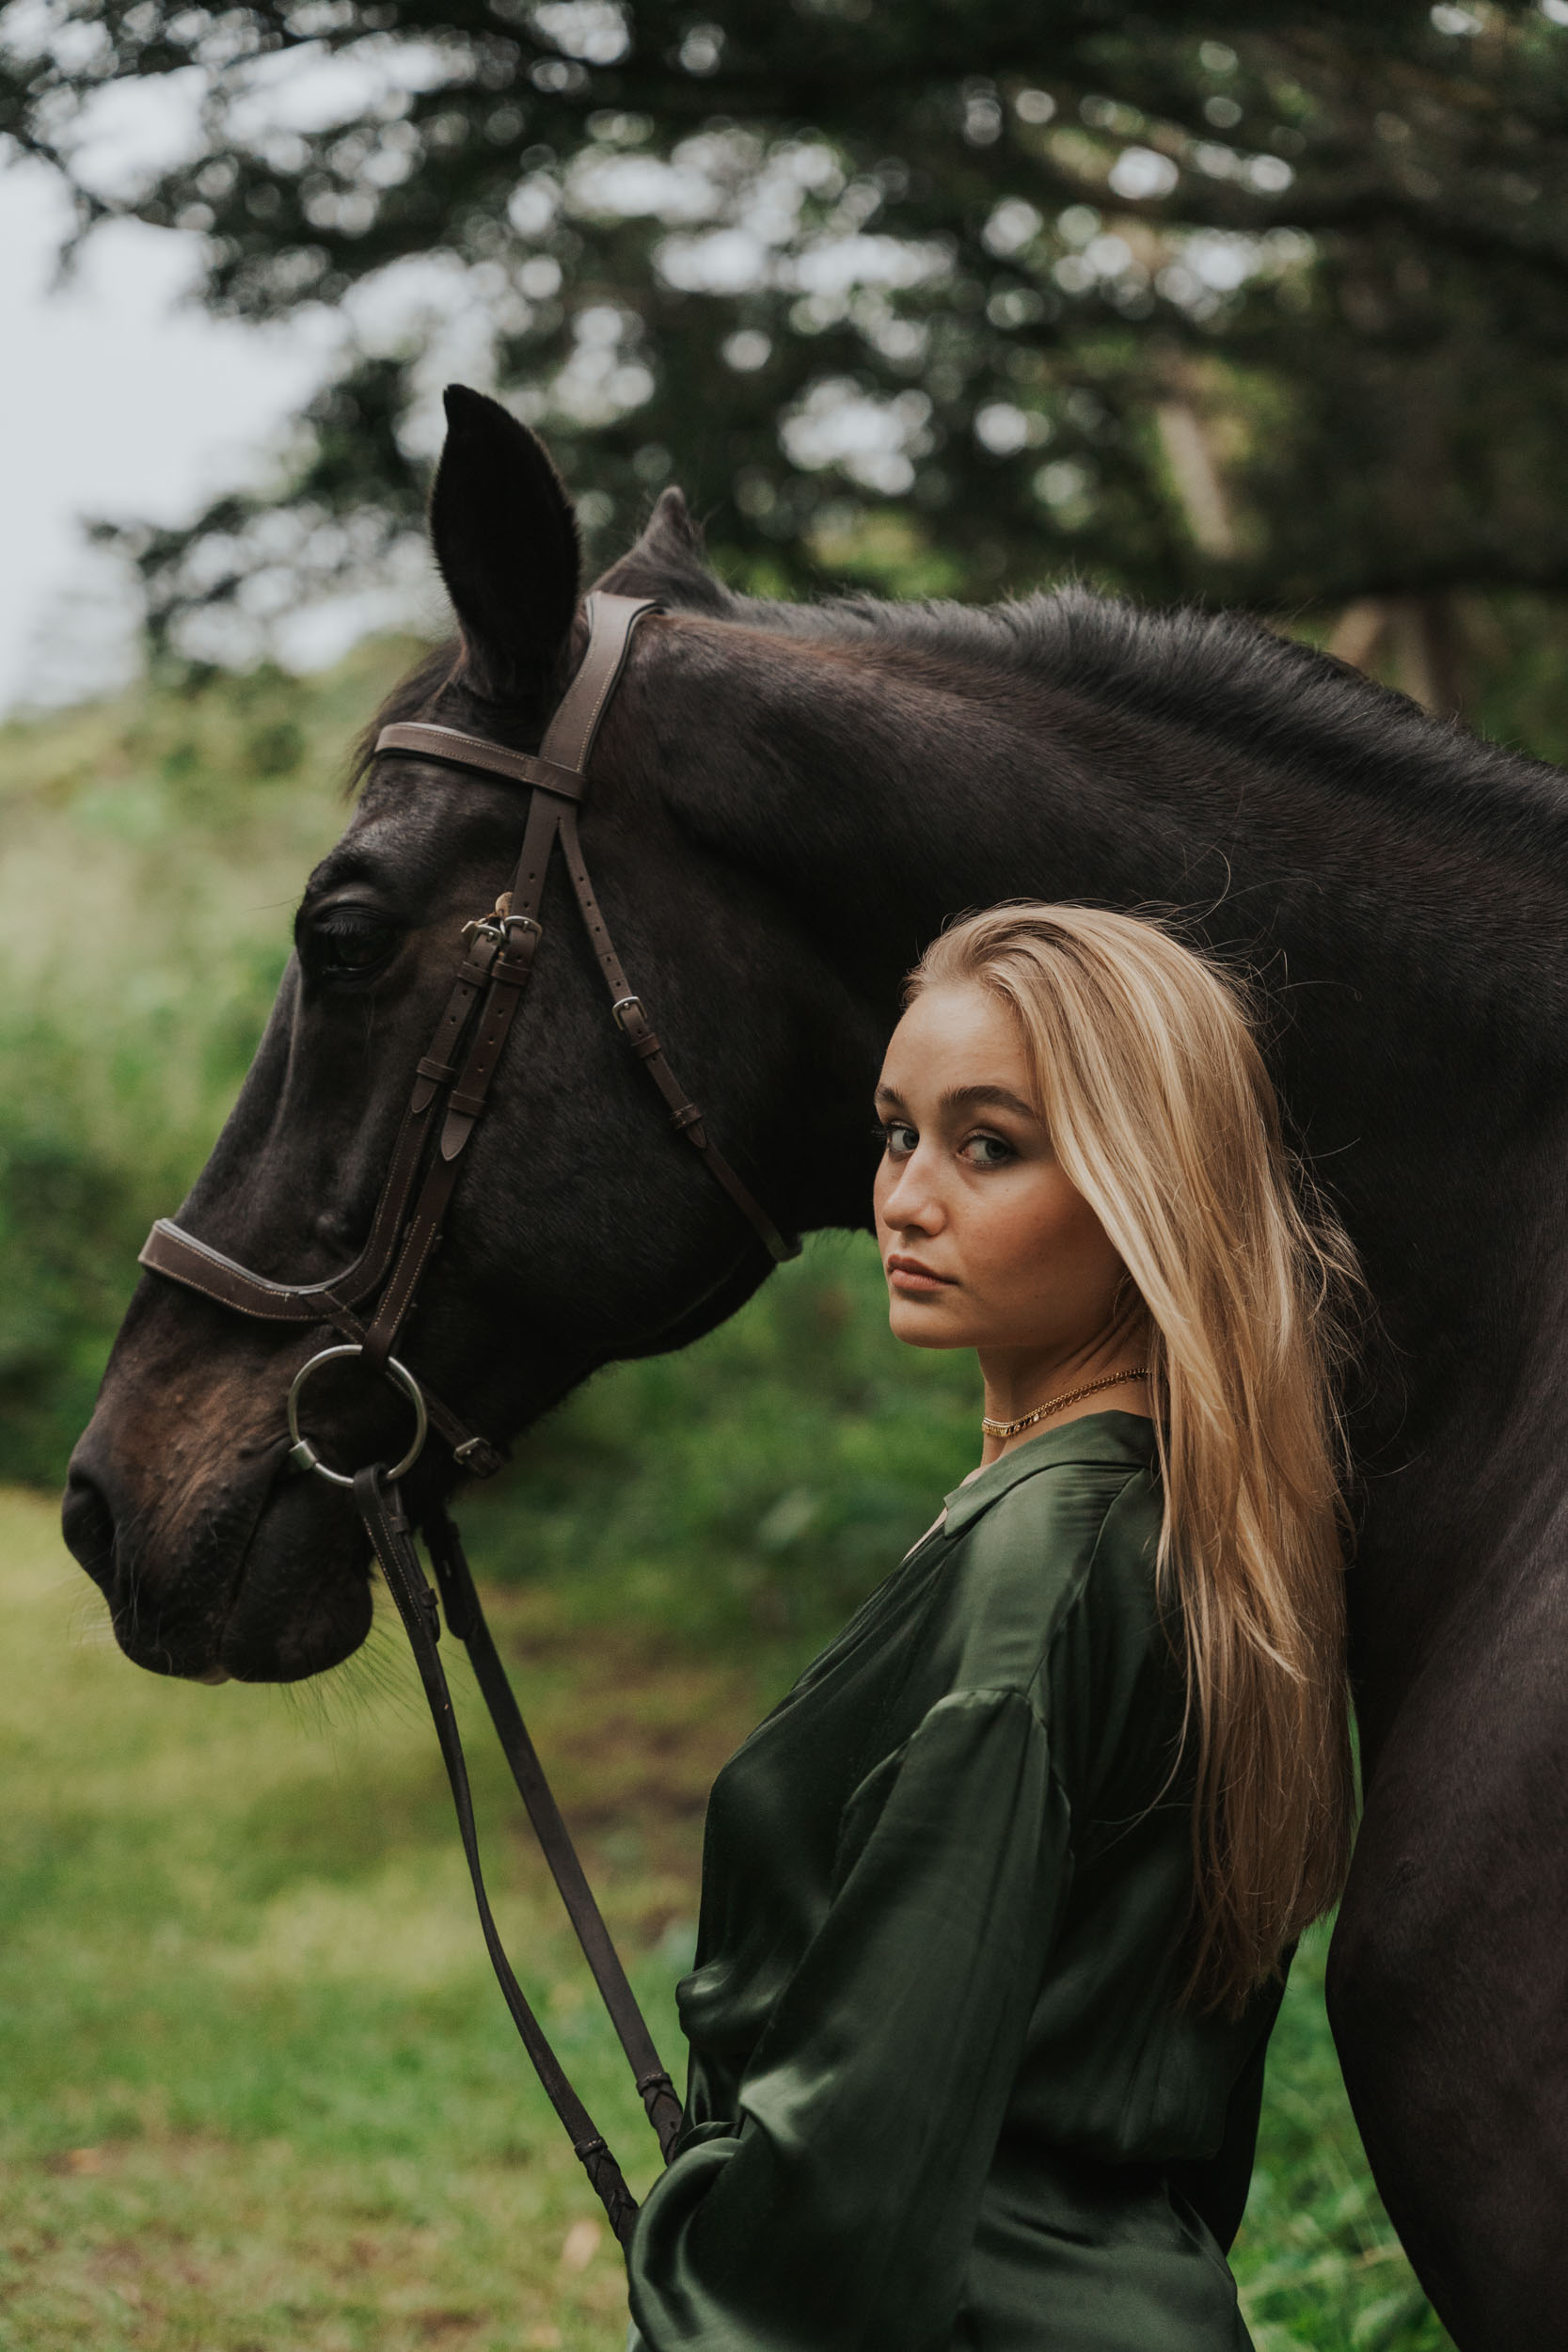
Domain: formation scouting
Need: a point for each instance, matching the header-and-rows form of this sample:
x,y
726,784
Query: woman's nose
x,y
909,1199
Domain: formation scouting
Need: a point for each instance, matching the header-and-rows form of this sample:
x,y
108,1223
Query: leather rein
x,y
369,1302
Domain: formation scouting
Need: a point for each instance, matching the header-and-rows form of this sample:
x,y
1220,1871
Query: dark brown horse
x,y
786,804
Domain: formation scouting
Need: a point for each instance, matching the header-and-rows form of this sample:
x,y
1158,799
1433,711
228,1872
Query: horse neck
x,y
1412,950
884,788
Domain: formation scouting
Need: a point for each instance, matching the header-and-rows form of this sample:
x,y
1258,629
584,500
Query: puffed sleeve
x,y
841,2210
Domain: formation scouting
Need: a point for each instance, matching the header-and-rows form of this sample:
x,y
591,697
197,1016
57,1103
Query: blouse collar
x,y
1092,1438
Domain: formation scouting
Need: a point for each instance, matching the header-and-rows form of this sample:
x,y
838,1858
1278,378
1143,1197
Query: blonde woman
x,y
995,1903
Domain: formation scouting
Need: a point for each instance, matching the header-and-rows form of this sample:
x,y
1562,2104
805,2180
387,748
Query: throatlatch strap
x,y
381,1509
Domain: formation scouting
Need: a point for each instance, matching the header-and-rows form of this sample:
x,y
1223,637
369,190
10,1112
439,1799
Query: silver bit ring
x,y
302,1453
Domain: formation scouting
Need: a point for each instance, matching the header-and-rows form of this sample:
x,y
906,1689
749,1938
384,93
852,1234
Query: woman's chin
x,y
924,1321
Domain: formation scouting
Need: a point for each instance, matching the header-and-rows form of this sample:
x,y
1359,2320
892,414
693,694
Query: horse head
x,y
580,1231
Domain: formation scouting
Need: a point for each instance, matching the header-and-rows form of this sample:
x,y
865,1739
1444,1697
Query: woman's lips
x,y
914,1280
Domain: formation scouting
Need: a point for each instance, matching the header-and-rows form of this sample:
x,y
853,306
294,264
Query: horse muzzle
x,y
265,1580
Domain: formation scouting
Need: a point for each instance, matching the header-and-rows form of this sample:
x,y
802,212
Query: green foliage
x,y
151,854
757,1485
1229,297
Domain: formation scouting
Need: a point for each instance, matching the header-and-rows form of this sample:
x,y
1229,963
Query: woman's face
x,y
984,1241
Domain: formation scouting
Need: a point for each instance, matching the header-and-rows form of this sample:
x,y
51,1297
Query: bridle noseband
x,y
370,1301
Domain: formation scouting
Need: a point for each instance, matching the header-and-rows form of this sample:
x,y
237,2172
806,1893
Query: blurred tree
x,y
1262,303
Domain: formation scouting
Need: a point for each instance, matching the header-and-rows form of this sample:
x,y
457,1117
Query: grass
x,y
258,2092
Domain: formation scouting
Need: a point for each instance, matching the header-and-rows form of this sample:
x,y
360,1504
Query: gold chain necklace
x,y
1055,1404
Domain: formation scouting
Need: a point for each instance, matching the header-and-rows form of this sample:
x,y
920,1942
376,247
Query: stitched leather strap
x,y
560,763
631,1018
466,1621
381,1509
501,973
197,1266
569,737
169,1250
552,816
471,751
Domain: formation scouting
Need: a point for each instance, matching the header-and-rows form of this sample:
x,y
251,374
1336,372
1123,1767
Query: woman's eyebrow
x,y
967,1099
998,1098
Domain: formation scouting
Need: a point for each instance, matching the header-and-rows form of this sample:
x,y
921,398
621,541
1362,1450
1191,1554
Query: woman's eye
x,y
897,1137
989,1151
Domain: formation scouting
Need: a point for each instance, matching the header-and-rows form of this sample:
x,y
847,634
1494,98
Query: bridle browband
x,y
370,1301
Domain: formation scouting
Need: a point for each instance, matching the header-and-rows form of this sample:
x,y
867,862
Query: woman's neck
x,y
1019,1381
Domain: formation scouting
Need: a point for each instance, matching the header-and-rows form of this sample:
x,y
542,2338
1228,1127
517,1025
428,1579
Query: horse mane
x,y
1222,676
1229,679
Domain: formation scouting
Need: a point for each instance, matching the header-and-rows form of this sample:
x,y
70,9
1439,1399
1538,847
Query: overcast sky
x,y
119,400
113,400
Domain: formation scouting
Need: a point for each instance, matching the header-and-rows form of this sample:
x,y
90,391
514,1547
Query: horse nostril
x,y
90,1527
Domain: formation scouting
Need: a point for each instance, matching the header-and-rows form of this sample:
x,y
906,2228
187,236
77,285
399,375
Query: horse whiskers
x,y
374,1680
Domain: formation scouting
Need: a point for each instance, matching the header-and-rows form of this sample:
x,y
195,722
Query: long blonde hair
x,y
1161,1113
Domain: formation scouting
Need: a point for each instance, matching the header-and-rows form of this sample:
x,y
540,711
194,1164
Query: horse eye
x,y
348,942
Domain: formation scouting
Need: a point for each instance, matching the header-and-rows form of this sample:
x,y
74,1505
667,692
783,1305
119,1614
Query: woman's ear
x,y
506,540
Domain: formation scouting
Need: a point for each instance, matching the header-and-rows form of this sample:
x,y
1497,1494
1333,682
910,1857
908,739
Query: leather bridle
x,y
369,1302
452,1078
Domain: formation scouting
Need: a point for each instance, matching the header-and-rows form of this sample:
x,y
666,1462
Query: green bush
x,y
151,850
755,1485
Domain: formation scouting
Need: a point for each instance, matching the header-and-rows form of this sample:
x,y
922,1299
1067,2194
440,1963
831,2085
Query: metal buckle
x,y
302,1453
479,1456
499,927
624,1005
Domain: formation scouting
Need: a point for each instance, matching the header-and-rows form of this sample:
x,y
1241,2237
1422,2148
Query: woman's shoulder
x,y
1039,1532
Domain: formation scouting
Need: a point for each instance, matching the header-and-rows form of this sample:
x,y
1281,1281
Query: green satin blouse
x,y
941,2097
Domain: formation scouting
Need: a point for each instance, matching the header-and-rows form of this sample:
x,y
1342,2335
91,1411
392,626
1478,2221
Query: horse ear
x,y
669,560
672,535
506,540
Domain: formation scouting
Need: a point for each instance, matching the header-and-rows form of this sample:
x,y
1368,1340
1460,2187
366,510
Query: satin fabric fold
x,y
938,2069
